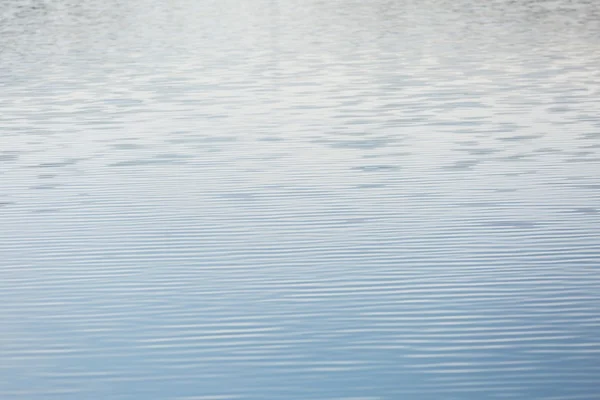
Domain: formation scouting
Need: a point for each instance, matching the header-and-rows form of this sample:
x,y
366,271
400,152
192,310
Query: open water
x,y
299,199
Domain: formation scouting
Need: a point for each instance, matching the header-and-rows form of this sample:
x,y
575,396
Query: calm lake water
x,y
299,199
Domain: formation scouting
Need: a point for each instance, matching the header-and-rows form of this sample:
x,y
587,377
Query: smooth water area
x,y
299,199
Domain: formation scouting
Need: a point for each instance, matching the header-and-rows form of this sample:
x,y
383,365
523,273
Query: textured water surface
x,y
285,199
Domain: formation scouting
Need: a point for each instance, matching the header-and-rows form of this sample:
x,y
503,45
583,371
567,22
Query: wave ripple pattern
x,y
285,199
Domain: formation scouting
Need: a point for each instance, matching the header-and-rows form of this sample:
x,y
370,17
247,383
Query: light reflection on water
x,y
286,199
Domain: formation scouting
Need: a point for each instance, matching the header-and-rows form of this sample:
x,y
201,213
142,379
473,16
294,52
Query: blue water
x,y
285,199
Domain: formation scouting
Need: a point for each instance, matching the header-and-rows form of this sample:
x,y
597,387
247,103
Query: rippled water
x,y
285,199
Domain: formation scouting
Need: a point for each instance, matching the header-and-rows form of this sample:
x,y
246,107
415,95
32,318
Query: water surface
x,y
285,199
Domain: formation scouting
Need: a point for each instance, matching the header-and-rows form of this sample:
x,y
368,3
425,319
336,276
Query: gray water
x,y
299,199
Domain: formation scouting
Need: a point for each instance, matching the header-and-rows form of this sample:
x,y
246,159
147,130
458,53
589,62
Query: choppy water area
x,y
285,199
